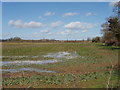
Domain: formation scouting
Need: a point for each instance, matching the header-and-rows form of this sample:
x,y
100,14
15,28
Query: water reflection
x,y
25,69
27,62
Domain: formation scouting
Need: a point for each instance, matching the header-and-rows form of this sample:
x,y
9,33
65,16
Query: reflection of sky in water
x,y
53,55
14,56
62,55
18,62
25,69
57,56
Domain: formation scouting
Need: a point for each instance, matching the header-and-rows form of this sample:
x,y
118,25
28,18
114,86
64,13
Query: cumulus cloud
x,y
42,32
55,24
66,32
70,14
49,13
88,14
21,24
79,26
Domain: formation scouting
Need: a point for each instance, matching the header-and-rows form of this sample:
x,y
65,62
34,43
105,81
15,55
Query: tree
x,y
111,29
114,27
15,39
96,39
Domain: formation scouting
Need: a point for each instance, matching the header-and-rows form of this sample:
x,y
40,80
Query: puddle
x,y
27,62
18,62
18,57
13,56
25,69
35,56
9,70
56,55
59,55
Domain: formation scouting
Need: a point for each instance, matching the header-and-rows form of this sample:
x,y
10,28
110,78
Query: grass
x,y
88,70
60,80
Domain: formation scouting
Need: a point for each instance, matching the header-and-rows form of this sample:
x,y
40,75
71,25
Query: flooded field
x,y
56,58
25,69
28,62
18,62
59,55
58,65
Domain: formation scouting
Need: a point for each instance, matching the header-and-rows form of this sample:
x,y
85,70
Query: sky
x,y
54,20
0,19
59,0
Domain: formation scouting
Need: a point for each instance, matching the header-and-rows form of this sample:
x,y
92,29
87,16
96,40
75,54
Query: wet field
x,y
56,58
49,65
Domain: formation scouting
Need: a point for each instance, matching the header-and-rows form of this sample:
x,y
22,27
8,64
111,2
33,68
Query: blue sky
x,y
59,0
0,20
54,20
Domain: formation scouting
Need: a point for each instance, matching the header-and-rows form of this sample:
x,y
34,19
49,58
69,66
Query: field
x,y
62,65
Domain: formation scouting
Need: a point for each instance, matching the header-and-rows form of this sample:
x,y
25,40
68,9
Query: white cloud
x,y
88,14
55,24
79,26
49,13
50,33
45,31
21,24
66,32
69,14
84,31
42,32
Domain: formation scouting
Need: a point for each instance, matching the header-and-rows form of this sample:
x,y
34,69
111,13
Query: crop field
x,y
59,65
